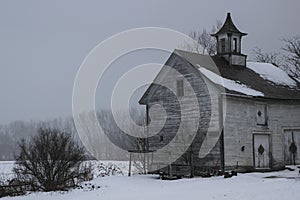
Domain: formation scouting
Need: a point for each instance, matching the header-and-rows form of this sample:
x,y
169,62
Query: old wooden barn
x,y
249,112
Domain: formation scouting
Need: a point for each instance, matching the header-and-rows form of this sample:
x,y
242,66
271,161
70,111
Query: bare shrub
x,y
49,161
87,172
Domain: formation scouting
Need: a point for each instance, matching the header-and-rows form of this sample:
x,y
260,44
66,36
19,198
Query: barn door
x,y
292,147
261,151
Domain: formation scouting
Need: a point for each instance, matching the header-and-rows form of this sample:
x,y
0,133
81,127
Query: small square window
x,y
180,88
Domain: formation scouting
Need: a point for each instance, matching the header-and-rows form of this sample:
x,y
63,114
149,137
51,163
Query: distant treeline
x,y
11,133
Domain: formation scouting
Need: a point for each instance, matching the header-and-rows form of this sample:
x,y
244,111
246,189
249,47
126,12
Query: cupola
x,y
229,43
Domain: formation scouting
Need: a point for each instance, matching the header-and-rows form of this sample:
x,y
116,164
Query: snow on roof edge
x,y
229,84
271,73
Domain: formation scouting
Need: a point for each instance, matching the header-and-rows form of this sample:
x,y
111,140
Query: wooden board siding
x,y
208,126
240,125
238,128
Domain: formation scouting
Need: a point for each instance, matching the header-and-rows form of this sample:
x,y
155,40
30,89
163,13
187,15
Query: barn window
x,y
180,89
161,138
261,114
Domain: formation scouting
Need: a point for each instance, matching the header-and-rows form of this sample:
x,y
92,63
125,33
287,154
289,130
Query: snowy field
x,y
6,166
275,185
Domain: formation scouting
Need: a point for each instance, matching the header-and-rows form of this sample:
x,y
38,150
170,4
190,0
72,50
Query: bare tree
x,y
289,60
292,57
274,58
49,161
204,42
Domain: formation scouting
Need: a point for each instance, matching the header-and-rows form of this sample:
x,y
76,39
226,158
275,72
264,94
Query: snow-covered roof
x,y
256,79
266,71
272,73
229,84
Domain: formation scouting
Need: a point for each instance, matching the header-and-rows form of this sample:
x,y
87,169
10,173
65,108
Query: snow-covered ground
x,y
6,166
274,185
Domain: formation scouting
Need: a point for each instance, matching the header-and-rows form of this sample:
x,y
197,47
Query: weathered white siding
x,y
204,144
240,123
240,118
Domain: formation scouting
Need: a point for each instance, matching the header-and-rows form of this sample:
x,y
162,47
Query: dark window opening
x,y
234,45
161,139
223,45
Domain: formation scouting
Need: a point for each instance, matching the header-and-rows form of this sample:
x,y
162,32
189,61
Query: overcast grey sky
x,y
43,43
